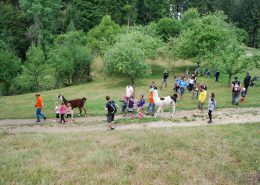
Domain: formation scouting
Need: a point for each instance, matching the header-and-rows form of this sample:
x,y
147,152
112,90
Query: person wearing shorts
x,y
110,113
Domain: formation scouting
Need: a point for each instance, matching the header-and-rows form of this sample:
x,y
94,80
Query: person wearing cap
x,y
39,106
201,101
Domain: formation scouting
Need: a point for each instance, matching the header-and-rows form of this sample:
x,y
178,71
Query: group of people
x,y
61,110
129,104
239,93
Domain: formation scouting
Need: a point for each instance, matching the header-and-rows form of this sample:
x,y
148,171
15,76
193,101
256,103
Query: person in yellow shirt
x,y
39,106
201,101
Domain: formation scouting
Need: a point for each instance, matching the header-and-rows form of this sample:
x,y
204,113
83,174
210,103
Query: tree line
x,y
51,43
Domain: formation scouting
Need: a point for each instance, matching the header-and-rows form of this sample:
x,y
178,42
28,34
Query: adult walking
x,y
129,91
247,81
217,76
165,77
236,88
39,106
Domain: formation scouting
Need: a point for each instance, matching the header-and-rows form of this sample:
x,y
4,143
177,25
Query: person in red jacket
x,y
39,106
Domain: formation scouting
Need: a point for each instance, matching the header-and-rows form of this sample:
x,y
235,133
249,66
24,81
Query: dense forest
x,y
51,43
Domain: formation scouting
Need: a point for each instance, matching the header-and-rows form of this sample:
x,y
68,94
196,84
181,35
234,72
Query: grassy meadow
x,y
196,155
22,106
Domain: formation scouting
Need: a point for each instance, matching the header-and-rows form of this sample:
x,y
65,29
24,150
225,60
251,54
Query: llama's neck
x,y
155,96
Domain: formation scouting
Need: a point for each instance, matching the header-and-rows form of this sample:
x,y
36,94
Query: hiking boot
x,y
210,121
112,128
45,119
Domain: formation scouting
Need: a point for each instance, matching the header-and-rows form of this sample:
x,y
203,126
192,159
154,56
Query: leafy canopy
x,y
127,56
168,27
103,35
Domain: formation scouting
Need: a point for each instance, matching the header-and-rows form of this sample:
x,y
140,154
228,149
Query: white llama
x,y
162,102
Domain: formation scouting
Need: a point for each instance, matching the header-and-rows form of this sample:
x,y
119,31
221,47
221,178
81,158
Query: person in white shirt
x,y
129,91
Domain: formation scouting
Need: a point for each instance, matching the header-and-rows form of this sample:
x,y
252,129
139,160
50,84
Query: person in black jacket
x,y
217,76
165,77
111,110
247,81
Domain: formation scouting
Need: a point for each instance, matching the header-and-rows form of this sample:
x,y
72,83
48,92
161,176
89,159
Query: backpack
x,y
237,87
113,105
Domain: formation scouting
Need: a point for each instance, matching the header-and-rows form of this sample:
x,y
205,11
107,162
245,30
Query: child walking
x,y
111,110
131,106
62,112
69,112
243,95
57,111
202,98
140,106
124,105
211,106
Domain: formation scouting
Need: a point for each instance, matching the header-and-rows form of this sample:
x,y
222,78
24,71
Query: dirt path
x,y
181,119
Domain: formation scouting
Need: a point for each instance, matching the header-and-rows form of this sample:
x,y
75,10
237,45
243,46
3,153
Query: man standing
x,y
217,76
236,88
39,106
247,81
165,77
129,91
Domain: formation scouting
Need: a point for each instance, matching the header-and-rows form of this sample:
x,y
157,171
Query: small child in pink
x,y
69,112
62,112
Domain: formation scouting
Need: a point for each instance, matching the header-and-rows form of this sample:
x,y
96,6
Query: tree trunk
x,y
128,20
133,84
229,80
254,37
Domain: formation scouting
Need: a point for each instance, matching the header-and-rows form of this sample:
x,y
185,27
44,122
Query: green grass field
x,y
223,155
22,106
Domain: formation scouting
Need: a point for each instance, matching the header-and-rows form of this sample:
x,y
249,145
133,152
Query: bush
x,y
71,58
10,66
242,35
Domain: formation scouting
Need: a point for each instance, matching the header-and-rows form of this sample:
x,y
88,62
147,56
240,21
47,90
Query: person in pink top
x,y
62,112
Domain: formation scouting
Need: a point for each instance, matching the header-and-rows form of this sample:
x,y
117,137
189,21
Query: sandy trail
x,y
181,119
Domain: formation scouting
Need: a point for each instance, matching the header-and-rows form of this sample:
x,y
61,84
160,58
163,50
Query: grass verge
x,y
198,155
